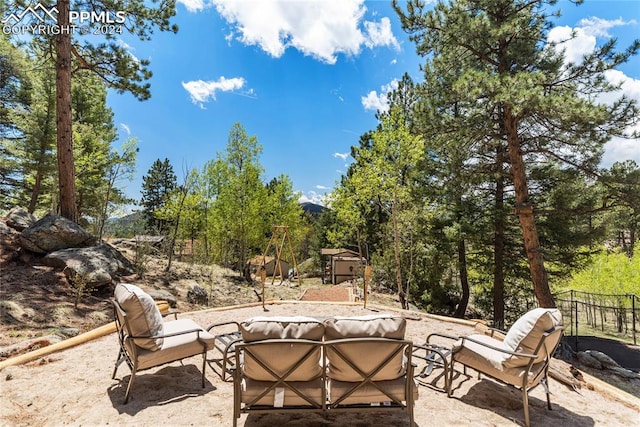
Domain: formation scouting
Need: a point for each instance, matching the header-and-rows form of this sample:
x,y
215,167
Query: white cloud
x,y
342,156
380,34
628,86
130,49
313,197
581,41
621,149
322,187
318,28
202,91
193,5
126,128
599,27
379,102
576,43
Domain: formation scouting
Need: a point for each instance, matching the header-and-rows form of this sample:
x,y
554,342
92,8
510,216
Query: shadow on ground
x,y
507,402
149,390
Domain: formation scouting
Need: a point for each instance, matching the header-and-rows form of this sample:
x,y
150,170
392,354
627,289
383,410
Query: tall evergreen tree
x,y
15,100
532,102
104,57
157,184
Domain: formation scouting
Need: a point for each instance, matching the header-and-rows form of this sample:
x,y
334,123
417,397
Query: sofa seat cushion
x,y
280,357
376,326
143,316
177,347
281,396
368,393
474,354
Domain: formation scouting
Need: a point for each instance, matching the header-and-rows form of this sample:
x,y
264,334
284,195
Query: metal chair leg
x,y
126,396
525,403
204,365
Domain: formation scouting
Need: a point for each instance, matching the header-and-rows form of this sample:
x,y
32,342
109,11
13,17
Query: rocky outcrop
x,y
599,360
97,265
53,233
19,218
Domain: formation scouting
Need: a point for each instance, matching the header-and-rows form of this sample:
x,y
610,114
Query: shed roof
x,y
338,251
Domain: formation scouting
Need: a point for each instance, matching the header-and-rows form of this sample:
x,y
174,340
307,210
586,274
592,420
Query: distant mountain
x,y
312,208
126,226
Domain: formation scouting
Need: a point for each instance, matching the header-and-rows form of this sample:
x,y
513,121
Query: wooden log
x,y
562,372
62,345
28,345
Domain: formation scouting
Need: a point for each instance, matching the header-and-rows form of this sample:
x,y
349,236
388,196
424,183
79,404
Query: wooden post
x,y
263,278
367,276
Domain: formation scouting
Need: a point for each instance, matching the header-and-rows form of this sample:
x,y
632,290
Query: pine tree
x,y
157,184
521,94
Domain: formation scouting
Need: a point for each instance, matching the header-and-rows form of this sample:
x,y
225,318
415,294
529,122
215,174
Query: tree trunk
x,y
66,170
464,280
524,210
498,244
396,253
35,191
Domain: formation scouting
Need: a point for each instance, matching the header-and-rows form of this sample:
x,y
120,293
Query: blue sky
x,y
306,78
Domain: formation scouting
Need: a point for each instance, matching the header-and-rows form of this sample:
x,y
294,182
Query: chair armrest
x,y
188,331
493,331
436,334
502,350
216,325
171,312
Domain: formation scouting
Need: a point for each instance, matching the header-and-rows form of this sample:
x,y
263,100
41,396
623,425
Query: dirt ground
x,y
37,301
74,387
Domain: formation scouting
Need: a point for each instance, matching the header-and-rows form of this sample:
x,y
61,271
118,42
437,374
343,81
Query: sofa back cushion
x,y
280,357
526,333
367,356
143,315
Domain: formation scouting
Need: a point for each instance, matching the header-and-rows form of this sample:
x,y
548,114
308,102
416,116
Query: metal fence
x,y
591,314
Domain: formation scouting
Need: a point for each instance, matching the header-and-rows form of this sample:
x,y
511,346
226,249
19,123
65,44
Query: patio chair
x,y
519,358
279,366
146,341
369,364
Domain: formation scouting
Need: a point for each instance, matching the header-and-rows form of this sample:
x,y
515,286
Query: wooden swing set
x,y
279,236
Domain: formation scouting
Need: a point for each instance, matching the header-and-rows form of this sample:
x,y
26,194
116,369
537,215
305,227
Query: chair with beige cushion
x,y
519,358
146,341
279,366
369,363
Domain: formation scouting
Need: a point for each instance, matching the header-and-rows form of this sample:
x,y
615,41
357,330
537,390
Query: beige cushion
x,y
264,328
251,389
490,362
367,356
280,357
368,393
525,334
179,346
142,313
377,325
475,355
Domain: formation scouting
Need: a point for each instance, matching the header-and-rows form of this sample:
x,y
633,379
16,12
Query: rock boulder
x,y
100,265
53,233
18,218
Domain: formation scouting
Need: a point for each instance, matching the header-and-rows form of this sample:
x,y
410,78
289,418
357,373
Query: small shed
x,y
341,265
256,262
